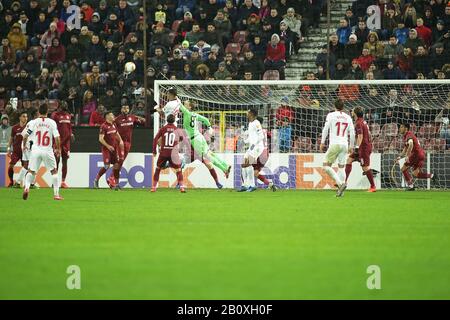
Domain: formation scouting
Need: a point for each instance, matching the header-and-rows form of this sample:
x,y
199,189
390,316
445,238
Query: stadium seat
x,y
234,48
240,37
176,25
389,130
375,130
271,75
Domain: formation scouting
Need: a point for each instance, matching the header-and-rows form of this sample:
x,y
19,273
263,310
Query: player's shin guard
x,y
424,175
213,174
55,182
369,176
22,174
11,174
407,177
156,177
348,170
64,169
333,175
263,179
100,173
28,180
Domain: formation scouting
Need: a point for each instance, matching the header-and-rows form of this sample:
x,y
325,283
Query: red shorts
x,y
112,157
261,161
174,161
416,161
15,157
127,147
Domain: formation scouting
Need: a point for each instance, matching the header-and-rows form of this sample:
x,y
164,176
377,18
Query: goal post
x,y
294,112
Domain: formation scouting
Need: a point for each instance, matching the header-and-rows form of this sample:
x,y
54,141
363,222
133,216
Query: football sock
x,y
369,176
100,173
250,176
28,180
348,170
341,174
219,163
116,172
156,177
214,174
333,175
64,169
11,174
263,179
55,183
407,176
180,178
423,175
244,177
22,174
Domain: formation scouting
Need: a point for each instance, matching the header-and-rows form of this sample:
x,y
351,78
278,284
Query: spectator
x,y
321,59
429,20
95,54
439,57
184,6
231,12
288,38
410,17
211,7
212,62
232,65
413,42
275,55
258,47
352,20
336,48
405,62
71,77
203,49
195,35
159,59
253,24
251,64
43,84
8,55
362,32
85,37
49,35
186,25
341,70
211,36
186,74
375,47
274,20
343,32
285,135
392,48
222,73
421,62
439,31
24,86
89,106
284,111
97,119
352,49
18,41
365,60
423,32
126,15
5,133
223,27
389,23
264,9
293,21
176,62
355,72
244,13
111,99
87,10
56,54
96,25
401,32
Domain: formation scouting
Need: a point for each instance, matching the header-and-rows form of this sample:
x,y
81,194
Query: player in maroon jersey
x,y
125,123
168,138
415,157
63,118
112,150
363,148
15,150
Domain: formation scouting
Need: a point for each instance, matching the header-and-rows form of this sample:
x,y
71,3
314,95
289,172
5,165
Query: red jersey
x,y
64,124
417,150
361,127
125,125
171,136
16,134
110,134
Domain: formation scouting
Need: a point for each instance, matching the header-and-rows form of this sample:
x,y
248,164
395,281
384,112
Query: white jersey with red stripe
x,y
339,126
42,131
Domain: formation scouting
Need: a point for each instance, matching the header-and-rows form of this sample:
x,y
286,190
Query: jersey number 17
x,y
344,125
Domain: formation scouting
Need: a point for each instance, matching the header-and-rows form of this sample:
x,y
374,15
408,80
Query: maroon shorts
x,y
362,156
261,161
416,161
15,157
112,157
174,161
126,147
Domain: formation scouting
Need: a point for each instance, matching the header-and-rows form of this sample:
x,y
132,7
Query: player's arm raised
x,y
325,131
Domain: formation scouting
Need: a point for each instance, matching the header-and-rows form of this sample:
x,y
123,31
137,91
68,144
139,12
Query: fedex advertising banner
x,y
287,171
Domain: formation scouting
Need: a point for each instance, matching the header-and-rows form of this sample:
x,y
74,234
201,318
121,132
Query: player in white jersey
x,y
255,140
339,126
171,107
42,130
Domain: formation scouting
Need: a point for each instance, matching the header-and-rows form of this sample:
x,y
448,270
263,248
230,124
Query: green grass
x,y
210,244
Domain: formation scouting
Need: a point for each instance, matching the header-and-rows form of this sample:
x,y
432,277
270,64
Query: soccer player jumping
x,y
415,157
363,148
339,126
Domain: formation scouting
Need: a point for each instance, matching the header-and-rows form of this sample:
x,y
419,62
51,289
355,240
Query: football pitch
x,y
211,244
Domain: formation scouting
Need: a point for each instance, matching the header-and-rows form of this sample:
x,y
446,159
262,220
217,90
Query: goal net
x,y
294,113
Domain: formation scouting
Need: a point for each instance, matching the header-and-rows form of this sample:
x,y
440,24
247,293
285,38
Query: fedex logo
x,y
137,176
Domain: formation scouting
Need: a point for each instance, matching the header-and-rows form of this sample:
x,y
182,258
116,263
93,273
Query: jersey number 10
x,y
43,139
169,138
338,125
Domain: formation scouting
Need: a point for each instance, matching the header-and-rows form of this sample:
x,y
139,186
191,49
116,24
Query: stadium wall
x,y
293,171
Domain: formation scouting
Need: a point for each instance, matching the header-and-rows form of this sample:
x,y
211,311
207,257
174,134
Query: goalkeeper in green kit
x,y
198,141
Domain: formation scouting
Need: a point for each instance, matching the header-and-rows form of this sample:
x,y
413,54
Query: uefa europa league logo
x,y
74,20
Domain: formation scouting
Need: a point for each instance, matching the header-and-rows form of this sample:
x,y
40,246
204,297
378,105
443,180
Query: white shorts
x,y
337,151
26,155
39,156
253,154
